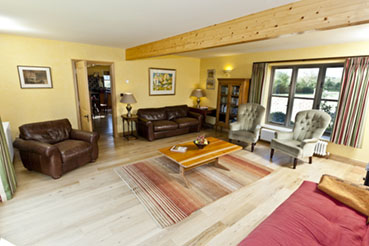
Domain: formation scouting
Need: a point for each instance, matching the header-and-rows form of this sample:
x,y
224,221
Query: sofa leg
x,y
271,154
310,159
230,140
294,163
253,147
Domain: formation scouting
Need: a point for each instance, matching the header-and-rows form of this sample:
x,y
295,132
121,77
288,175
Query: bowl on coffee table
x,y
201,145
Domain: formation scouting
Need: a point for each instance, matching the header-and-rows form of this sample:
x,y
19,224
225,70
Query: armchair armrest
x,y
308,146
283,135
235,126
40,148
257,131
90,137
311,140
195,115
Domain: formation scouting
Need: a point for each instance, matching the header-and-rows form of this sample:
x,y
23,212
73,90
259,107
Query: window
x,y
107,81
302,87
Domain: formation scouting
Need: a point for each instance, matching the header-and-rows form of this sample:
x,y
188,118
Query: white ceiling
x,y
308,39
120,23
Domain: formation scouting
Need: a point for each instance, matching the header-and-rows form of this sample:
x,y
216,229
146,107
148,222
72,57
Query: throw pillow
x,y
352,195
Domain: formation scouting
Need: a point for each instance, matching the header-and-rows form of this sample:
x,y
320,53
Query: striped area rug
x,y
160,189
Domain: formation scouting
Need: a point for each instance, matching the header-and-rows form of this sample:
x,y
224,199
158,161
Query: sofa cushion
x,y
291,147
152,113
164,125
310,217
47,132
174,112
71,150
186,122
353,195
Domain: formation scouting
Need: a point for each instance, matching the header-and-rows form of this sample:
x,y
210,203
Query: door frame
x,y
112,89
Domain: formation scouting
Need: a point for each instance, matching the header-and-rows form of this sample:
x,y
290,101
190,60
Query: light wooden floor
x,y
92,206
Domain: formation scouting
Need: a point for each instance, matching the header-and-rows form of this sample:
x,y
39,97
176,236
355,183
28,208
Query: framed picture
x,y
35,77
162,81
210,81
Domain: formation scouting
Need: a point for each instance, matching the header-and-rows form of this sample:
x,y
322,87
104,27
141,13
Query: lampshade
x,y
198,93
128,98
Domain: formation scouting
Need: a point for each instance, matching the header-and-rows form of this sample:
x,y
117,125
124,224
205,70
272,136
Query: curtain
x,y
257,82
351,111
7,173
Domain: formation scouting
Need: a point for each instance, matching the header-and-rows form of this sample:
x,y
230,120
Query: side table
x,y
133,119
204,112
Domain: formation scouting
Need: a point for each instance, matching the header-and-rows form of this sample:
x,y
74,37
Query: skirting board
x,y
347,160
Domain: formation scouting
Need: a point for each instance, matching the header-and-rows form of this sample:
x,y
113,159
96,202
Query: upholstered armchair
x,y
247,127
300,143
54,148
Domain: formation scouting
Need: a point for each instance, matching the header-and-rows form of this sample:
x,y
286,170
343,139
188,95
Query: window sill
x,y
276,128
325,138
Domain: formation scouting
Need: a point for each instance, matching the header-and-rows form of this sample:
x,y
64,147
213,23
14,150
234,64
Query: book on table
x,y
178,149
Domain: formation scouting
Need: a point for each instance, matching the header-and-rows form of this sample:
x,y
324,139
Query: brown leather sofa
x,y
154,123
54,148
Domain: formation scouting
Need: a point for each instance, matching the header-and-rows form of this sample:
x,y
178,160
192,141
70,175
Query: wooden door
x,y
83,96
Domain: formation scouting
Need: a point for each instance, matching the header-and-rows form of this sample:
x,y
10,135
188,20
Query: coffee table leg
x,y
218,165
182,173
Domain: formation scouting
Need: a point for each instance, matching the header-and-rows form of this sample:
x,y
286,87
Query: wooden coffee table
x,y
195,157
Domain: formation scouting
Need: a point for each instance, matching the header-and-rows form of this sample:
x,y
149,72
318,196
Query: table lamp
x,y
128,98
198,93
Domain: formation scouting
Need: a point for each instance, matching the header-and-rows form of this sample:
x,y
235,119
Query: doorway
x,y
96,98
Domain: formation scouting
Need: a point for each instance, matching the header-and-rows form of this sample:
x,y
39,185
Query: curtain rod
x,y
310,59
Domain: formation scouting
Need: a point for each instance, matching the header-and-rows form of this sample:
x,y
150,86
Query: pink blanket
x,y
310,217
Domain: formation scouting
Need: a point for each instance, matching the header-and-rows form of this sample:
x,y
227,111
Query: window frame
x,y
104,80
292,90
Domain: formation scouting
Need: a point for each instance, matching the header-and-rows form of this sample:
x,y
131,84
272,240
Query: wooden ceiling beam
x,y
294,18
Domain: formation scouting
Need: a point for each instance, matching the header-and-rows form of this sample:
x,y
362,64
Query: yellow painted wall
x,y
21,106
242,68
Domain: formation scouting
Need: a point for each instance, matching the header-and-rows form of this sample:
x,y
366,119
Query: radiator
x,y
321,148
266,134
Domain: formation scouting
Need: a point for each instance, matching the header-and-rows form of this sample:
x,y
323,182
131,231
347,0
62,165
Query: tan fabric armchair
x,y
309,127
247,127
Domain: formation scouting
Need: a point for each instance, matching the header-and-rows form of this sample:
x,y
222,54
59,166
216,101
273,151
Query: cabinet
x,y
231,93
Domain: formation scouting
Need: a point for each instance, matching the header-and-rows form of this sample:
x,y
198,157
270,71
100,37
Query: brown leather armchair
x,y
154,123
54,148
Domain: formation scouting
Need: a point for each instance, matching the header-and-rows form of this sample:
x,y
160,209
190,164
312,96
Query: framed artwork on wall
x,y
162,81
35,77
210,81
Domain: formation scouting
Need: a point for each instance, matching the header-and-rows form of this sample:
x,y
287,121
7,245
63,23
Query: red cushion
x,y
310,217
